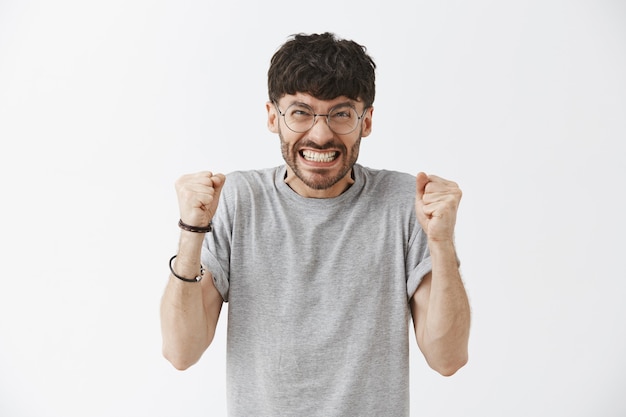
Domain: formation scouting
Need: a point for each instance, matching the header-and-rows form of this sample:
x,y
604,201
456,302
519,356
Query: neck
x,y
335,190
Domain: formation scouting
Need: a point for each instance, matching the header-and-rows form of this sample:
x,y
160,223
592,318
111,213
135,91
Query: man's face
x,y
319,161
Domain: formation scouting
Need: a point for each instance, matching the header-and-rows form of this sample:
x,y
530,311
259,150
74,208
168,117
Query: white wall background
x,y
104,104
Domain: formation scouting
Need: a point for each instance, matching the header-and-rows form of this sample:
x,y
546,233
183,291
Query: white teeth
x,y
319,156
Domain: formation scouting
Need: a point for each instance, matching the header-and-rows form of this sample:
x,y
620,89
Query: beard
x,y
320,179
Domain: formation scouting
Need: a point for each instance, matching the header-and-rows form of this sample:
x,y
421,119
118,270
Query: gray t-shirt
x,y
318,294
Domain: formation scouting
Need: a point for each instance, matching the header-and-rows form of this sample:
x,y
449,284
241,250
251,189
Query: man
x,y
322,261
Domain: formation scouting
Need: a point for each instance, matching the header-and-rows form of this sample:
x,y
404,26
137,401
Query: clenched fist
x,y
198,196
436,204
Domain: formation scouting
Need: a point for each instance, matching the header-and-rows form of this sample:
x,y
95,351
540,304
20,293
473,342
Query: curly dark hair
x,y
323,66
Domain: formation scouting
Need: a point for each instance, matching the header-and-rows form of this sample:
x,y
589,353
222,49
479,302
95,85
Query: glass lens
x,y
343,119
299,118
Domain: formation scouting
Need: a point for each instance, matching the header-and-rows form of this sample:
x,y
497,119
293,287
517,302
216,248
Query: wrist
x,y
190,245
185,273
442,248
195,229
447,243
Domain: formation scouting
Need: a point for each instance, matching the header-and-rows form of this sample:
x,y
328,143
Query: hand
x,y
198,196
436,204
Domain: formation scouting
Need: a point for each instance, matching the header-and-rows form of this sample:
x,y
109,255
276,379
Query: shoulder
x,y
388,181
249,187
245,190
251,180
253,175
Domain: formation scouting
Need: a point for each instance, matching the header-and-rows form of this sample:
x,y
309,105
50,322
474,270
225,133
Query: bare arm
x,y
440,307
190,310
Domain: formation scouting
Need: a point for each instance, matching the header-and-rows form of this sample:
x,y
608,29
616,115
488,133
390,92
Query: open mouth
x,y
314,156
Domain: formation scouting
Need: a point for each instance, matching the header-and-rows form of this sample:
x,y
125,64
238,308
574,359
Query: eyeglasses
x,y
341,119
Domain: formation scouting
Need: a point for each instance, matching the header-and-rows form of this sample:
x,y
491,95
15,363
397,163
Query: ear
x,y
366,128
272,117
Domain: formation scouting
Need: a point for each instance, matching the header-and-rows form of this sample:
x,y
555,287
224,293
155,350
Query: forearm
x,y
187,324
445,330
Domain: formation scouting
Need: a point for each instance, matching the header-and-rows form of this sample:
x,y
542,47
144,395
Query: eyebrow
x,y
342,104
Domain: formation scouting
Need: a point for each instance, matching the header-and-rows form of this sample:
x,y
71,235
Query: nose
x,y
320,131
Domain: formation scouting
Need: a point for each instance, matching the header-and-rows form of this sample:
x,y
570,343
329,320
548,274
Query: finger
x,y
432,195
428,210
218,183
218,180
421,181
434,209
204,178
205,174
440,184
196,192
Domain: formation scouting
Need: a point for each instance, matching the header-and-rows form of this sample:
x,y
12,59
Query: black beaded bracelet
x,y
196,279
195,229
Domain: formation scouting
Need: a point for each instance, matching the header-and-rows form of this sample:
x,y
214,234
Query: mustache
x,y
304,143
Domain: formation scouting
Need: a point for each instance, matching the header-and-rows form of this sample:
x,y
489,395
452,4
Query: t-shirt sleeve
x,y
218,269
217,245
418,262
416,276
